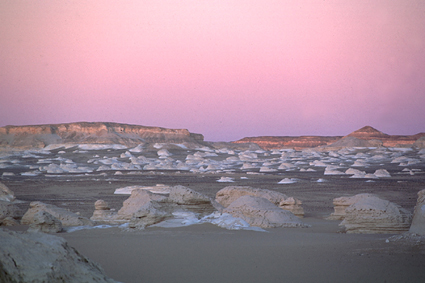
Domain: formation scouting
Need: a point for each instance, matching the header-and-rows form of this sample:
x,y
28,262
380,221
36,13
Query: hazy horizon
x,y
224,69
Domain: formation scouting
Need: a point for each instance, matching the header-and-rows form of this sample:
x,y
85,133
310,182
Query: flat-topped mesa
x,y
367,133
91,132
274,142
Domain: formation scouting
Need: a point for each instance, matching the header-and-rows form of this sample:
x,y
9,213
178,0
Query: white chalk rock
x,y
45,222
373,215
38,257
418,222
67,218
6,194
262,213
229,194
382,173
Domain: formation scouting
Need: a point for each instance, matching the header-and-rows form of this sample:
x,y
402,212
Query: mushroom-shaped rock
x,y
45,222
229,194
102,212
67,218
262,213
5,193
374,215
418,222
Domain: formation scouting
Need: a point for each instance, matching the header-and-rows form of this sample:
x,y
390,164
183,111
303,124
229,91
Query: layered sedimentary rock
x,y
67,218
366,136
418,222
38,136
271,142
38,257
341,203
260,212
370,214
229,194
370,133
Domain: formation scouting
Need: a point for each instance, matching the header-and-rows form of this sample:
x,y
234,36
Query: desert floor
x,y
207,253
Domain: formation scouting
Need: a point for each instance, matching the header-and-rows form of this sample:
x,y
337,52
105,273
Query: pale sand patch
x,y
206,253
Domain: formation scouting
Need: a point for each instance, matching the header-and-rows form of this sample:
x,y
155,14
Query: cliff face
x,y
84,132
268,142
369,133
366,133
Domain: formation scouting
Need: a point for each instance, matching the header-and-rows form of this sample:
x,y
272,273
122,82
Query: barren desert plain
x,y
75,176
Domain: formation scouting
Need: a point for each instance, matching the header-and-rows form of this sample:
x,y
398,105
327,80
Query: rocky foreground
x,y
58,179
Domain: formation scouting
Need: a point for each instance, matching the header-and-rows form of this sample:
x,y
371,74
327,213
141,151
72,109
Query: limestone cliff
x,y
38,136
271,142
366,133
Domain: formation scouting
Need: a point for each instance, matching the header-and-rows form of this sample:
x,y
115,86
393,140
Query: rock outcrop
x,y
260,212
102,212
341,203
418,222
229,194
272,142
5,193
144,208
39,136
366,136
67,218
38,257
371,215
10,212
45,222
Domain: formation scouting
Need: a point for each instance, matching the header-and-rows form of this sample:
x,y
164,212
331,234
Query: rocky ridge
x,y
367,133
39,136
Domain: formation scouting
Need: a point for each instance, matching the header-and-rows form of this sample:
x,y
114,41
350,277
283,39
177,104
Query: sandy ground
x,y
206,253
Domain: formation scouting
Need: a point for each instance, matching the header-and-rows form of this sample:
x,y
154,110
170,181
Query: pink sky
x,y
225,69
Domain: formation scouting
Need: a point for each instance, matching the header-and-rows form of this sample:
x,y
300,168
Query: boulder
x,y
260,212
137,200
9,213
373,215
183,195
148,214
418,222
67,218
229,194
341,203
45,222
5,193
38,257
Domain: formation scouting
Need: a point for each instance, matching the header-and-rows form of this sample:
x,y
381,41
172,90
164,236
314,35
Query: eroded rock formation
x,y
229,194
45,222
67,218
370,214
38,257
366,136
260,212
418,222
38,136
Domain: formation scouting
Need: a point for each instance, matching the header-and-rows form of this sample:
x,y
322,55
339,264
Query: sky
x,y
225,69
